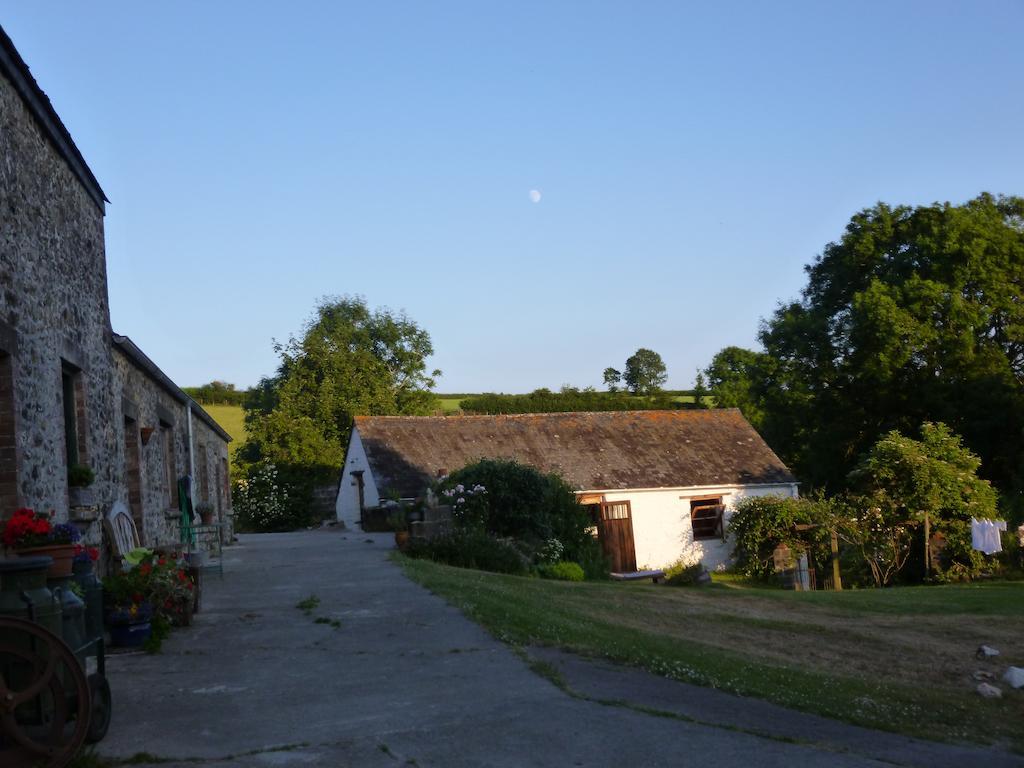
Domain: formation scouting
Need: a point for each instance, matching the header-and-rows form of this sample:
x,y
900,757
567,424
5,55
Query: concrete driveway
x,y
404,679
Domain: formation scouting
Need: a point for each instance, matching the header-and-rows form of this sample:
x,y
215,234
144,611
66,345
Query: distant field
x,y
232,419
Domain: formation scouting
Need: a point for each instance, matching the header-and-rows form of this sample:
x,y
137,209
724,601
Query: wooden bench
x,y
655,576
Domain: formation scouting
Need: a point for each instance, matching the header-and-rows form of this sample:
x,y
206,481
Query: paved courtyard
x,y
404,679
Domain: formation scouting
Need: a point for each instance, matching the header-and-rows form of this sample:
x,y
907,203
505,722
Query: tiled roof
x,y
592,451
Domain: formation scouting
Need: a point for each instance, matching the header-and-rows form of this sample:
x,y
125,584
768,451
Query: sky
x,y
543,186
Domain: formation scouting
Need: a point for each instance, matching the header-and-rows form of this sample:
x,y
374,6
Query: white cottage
x,y
660,484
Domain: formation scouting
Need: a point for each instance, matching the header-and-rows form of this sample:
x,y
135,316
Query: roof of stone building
x,y
592,451
141,360
14,68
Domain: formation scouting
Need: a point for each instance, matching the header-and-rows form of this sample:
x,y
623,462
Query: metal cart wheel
x,y
44,697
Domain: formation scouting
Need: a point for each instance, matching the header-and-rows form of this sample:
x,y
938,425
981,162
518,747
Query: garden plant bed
x,y
898,659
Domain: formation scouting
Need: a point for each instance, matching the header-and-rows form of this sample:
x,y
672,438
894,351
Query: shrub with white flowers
x,y
261,501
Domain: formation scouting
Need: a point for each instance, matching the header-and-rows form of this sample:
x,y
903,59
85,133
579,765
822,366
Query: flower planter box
x,y
62,556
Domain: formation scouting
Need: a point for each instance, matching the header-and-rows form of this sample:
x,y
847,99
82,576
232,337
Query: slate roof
x,y
592,451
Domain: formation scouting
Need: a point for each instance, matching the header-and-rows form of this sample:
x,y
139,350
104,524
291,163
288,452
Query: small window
x,y
170,461
706,518
615,510
73,395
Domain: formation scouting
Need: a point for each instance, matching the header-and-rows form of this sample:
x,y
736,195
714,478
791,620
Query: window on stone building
x,y
133,473
73,395
170,462
8,439
204,475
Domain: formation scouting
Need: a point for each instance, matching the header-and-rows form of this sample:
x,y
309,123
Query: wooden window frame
x,y
705,510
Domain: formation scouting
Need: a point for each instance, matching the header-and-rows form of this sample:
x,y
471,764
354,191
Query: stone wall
x,y
155,425
67,393
53,300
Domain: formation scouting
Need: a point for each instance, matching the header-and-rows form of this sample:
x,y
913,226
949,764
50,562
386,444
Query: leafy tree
x,y
700,391
914,315
216,393
902,481
645,372
349,360
612,377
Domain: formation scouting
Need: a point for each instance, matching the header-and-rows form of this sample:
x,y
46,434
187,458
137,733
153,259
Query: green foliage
x,y
761,523
684,573
264,503
350,360
562,571
568,400
645,372
80,476
522,503
612,377
216,393
900,480
914,315
472,548
308,605
738,378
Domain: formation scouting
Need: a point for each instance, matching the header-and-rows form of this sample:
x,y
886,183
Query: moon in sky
x,y
534,195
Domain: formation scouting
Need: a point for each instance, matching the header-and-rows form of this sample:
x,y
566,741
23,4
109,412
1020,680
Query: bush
x,y
761,523
562,571
472,549
683,573
261,501
519,502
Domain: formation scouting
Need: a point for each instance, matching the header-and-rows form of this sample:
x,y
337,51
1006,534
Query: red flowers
x,y
26,529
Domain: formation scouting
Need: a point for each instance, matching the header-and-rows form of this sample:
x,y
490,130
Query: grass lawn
x,y
896,659
232,420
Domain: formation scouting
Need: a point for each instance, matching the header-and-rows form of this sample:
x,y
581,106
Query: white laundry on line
x,y
985,535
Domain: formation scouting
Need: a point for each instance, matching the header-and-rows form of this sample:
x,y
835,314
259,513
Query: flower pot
x,y
130,635
207,517
63,556
81,496
402,539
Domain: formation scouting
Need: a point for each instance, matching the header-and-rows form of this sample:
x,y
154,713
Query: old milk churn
x,y
72,612
24,594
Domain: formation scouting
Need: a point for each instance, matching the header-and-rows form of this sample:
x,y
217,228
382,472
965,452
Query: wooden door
x,y
615,529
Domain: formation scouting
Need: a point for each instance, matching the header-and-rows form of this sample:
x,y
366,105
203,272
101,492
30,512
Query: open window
x,y
707,518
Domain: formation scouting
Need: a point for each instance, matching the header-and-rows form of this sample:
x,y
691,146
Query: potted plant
x,y
80,478
398,522
127,609
31,533
205,512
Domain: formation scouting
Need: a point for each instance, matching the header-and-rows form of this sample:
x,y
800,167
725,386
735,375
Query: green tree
x,y
645,372
903,482
612,377
914,315
348,361
700,391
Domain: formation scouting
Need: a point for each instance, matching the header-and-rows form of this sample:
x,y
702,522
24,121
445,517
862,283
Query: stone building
x,y
72,391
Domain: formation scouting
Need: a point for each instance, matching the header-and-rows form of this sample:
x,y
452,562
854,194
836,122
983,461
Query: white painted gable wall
x,y
347,505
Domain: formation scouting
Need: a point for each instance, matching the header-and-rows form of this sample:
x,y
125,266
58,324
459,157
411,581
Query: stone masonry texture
x,y
56,342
